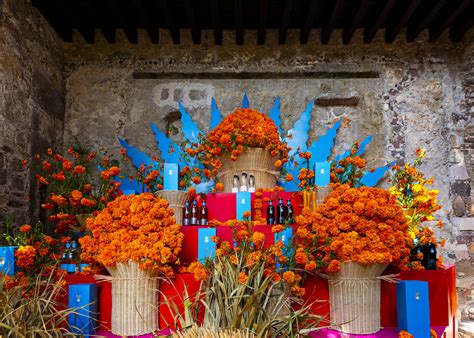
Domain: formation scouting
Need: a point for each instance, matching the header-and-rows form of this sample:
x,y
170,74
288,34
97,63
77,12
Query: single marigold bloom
x,y
76,195
289,277
243,277
219,186
25,228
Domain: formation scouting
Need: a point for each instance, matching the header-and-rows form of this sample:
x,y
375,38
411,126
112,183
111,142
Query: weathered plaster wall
x,y
31,101
421,97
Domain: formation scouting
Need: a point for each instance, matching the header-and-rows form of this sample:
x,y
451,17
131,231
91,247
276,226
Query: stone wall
x,y
407,95
31,101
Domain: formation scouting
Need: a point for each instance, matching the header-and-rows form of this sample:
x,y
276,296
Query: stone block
x,y
464,223
461,188
461,252
458,172
459,207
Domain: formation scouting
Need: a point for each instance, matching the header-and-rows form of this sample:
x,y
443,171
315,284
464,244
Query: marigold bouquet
x,y
363,225
244,128
70,187
412,192
139,228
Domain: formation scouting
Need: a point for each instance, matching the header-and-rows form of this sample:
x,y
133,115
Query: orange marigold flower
x,y
25,256
289,277
243,277
191,191
59,200
247,214
87,202
67,165
278,228
25,228
278,164
76,195
78,170
24,163
258,238
334,266
219,186
59,177
196,179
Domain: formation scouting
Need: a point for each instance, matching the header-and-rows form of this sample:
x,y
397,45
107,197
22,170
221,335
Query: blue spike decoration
x,y
245,102
320,149
275,114
216,116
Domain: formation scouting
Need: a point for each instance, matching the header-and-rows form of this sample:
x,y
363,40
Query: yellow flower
x,y
416,188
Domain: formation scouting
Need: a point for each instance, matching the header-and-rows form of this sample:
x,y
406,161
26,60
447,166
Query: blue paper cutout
x,y
216,116
370,179
245,102
321,149
364,144
190,129
165,144
138,157
275,114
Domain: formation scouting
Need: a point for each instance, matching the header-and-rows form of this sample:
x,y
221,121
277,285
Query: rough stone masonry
x,y
406,95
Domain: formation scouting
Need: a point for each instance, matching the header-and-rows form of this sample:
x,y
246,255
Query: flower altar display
x,y
137,239
356,233
244,141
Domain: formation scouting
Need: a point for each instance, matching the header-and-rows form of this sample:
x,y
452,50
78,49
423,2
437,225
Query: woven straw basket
x,y
134,299
253,161
176,199
354,298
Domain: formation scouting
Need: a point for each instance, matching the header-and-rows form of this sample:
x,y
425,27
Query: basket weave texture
x,y
134,299
354,298
176,200
253,161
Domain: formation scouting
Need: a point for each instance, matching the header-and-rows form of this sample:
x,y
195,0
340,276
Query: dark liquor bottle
x,y
204,216
72,258
281,212
195,213
417,252
271,214
186,214
290,216
431,257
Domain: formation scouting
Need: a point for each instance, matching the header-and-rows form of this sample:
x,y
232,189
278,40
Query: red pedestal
x,y
442,294
189,248
174,294
222,206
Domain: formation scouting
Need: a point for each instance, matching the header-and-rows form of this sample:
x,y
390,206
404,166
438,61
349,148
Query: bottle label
x,y
186,221
194,221
270,221
204,221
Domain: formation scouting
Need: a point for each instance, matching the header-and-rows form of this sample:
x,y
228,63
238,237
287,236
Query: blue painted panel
x,y
322,174
242,199
83,299
206,247
413,308
216,116
171,176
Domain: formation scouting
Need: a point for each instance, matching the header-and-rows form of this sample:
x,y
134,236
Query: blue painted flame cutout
x,y
320,149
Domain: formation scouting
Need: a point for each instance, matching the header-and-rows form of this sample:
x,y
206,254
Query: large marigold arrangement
x,y
244,128
68,185
363,225
140,228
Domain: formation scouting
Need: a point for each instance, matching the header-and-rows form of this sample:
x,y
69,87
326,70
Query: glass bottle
x,y
204,214
271,214
187,214
251,183
281,212
289,216
235,184
195,213
430,254
244,186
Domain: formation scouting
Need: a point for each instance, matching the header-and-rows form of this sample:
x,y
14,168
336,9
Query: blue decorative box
x,y
7,260
171,176
83,301
206,247
243,204
321,174
413,308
